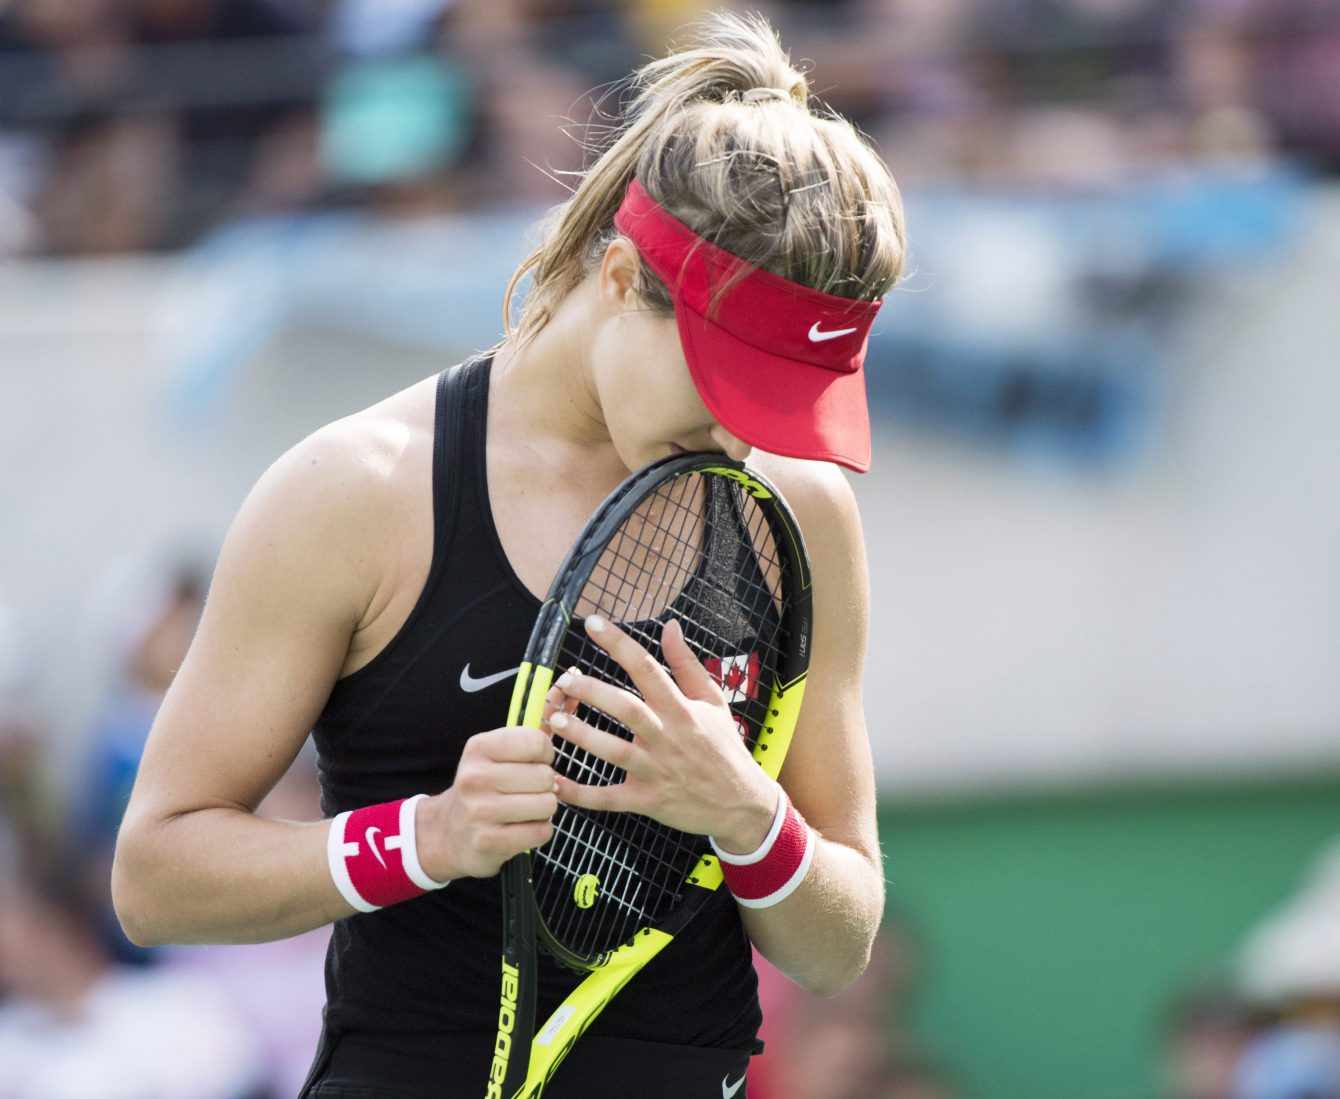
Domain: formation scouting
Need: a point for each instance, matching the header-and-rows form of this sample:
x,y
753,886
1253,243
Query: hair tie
x,y
764,95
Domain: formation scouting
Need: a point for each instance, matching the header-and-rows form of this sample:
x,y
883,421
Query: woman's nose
x,y
735,448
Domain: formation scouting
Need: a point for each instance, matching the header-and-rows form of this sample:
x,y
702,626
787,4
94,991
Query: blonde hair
x,y
721,134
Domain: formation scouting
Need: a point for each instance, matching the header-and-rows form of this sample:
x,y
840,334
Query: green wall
x,y
1055,929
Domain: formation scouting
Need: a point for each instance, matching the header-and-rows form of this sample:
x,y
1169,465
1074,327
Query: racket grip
x,y
516,1000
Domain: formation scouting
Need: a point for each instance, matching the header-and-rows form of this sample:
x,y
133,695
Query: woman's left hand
x,y
686,766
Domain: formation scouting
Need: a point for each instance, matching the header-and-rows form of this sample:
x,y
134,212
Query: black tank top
x,y
397,726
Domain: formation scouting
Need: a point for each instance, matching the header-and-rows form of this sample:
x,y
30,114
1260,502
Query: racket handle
x,y
516,1000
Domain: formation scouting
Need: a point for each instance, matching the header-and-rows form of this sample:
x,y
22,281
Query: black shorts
x,y
360,1066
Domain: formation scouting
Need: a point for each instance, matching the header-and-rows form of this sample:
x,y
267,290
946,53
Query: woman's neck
x,y
544,391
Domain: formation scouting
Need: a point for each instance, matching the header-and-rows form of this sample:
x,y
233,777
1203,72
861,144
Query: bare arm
x,y
192,863
297,573
821,935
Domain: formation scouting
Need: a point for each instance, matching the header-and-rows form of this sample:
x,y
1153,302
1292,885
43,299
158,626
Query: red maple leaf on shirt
x,y
737,676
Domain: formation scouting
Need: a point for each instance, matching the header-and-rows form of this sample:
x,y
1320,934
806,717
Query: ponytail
x,y
721,134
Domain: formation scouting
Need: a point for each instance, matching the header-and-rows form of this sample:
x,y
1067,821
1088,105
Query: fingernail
x,y
564,681
595,623
558,720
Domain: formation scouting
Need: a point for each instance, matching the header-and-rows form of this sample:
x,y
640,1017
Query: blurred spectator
x,y
394,133
110,183
1204,1038
1297,67
911,1079
827,1056
61,56
21,798
1292,959
1291,965
520,60
377,27
60,67
147,611
1299,1060
128,125
74,1025
850,1045
245,70
1216,73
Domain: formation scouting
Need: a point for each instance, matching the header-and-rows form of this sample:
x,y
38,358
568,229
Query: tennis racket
x,y
701,539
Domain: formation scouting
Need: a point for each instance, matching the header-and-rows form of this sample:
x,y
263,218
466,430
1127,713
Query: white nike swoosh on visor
x,y
728,1089
471,684
817,336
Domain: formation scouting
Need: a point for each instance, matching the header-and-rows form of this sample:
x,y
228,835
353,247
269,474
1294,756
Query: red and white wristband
x,y
374,857
771,873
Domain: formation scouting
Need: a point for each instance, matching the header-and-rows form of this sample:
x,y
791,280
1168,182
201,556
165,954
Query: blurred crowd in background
x,y
128,125
132,126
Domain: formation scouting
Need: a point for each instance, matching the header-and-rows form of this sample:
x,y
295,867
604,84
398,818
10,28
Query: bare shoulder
x,y
333,501
357,453
820,496
825,508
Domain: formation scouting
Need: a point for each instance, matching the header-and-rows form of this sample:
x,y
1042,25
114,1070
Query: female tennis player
x,y
380,582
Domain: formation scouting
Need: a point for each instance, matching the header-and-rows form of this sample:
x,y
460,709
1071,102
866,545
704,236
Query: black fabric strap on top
x,y
465,388
447,452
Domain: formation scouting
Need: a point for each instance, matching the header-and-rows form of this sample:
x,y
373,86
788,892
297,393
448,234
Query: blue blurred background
x,y
1103,520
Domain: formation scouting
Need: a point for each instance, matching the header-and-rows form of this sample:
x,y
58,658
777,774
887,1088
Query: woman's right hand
x,y
499,806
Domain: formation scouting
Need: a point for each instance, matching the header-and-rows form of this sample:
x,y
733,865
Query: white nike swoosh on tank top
x,y
470,684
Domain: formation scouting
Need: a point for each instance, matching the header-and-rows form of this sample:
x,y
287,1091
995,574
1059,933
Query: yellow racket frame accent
x,y
755,488
769,753
583,1004
529,675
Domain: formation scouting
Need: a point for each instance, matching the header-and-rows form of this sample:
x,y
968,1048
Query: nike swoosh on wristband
x,y
816,336
370,836
470,684
728,1089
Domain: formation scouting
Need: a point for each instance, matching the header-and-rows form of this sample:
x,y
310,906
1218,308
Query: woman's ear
x,y
619,276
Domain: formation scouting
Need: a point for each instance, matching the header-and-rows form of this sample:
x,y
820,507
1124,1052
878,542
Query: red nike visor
x,y
779,365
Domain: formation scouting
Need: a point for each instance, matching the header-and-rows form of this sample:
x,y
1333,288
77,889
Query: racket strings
x,y
639,869
712,617
699,550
